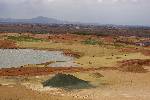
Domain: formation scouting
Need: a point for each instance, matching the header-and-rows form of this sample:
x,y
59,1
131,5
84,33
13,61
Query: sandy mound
x,y
134,65
96,75
145,52
66,81
132,68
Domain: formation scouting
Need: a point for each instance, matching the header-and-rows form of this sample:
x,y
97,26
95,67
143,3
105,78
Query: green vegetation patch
x,y
24,38
66,81
39,32
92,42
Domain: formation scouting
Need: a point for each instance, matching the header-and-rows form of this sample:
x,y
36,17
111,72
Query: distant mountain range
x,y
46,20
38,20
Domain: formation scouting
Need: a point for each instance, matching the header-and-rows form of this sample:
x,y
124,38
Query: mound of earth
x,y
96,75
5,44
145,52
134,65
66,81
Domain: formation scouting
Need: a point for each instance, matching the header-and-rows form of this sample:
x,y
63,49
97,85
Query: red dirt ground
x,y
133,50
36,71
7,44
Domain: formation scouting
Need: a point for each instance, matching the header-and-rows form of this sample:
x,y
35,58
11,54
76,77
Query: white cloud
x,y
100,1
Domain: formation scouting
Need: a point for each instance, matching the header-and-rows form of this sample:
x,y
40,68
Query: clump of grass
x,y
66,81
92,42
118,45
24,38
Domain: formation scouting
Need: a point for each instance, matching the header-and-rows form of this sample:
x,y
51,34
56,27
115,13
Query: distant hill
x,y
39,19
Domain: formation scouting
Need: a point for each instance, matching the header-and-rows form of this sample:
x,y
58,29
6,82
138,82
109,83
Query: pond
x,y
19,57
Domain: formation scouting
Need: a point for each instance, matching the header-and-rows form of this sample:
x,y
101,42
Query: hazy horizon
x,y
118,12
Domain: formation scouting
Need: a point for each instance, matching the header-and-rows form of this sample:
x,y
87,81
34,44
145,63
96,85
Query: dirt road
x,y
21,93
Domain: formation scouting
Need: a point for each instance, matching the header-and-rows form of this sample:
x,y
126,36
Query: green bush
x,y
38,32
24,38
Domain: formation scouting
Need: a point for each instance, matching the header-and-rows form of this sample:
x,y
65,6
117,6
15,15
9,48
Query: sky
x,y
119,12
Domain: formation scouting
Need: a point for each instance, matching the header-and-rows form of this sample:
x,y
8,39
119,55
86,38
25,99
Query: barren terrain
x,y
117,71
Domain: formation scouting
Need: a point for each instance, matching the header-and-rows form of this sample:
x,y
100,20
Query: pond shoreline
x,y
54,56
66,52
